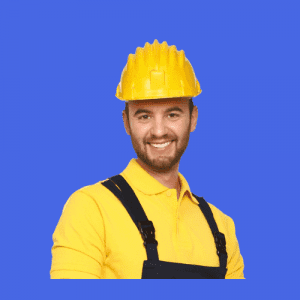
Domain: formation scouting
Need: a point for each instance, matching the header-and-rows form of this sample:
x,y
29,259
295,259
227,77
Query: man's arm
x,y
235,262
78,250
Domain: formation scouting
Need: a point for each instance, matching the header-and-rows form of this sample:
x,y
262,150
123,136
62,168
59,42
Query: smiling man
x,y
145,222
160,131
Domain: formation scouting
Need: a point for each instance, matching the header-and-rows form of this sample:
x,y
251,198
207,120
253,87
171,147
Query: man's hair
x,y
191,107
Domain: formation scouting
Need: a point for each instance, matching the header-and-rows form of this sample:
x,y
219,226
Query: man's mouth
x,y
160,146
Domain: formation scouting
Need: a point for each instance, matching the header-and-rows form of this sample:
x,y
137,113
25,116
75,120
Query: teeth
x,y
160,145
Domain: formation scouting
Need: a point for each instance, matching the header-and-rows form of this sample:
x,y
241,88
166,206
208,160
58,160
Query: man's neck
x,y
170,180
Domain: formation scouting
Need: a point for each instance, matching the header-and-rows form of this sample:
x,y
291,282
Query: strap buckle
x,y
147,231
220,242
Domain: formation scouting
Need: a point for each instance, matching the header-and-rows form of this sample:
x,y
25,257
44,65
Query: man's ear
x,y
194,118
125,121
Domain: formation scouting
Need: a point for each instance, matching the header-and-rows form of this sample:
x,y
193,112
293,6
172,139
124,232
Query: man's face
x,y
153,122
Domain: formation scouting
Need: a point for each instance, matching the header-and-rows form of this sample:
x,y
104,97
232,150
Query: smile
x,y
161,147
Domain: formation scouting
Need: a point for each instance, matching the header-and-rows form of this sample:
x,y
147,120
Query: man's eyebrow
x,y
143,110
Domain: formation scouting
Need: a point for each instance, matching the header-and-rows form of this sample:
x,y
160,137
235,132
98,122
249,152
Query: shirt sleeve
x,y
235,262
78,250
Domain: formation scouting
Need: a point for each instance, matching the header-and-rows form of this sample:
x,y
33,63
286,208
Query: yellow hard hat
x,y
157,71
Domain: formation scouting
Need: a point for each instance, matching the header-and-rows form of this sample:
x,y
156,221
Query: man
x,y
145,222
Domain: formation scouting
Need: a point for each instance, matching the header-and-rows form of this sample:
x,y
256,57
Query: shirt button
x,y
169,193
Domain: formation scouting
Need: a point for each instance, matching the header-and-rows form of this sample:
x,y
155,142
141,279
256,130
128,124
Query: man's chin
x,y
162,164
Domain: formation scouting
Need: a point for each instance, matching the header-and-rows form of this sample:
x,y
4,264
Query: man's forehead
x,y
161,101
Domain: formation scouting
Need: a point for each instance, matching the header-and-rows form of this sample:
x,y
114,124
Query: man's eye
x,y
142,117
176,115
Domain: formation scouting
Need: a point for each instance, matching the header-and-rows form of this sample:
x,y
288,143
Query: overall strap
x,y
136,212
219,237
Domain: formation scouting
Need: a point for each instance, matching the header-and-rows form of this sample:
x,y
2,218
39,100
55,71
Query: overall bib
x,y
153,268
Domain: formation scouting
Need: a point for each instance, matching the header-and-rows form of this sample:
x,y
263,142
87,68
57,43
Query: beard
x,y
163,163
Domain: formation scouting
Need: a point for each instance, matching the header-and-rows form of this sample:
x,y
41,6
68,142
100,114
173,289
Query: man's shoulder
x,y
89,195
93,190
216,211
223,221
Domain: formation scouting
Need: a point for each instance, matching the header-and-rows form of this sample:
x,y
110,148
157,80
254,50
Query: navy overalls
x,y
154,268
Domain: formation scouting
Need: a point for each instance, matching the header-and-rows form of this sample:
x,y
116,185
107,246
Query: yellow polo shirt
x,y
96,237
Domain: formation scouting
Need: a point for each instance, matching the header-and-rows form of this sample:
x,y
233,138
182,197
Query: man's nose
x,y
159,127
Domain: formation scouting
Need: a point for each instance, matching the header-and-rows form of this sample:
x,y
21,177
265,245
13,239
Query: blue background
x,y
62,129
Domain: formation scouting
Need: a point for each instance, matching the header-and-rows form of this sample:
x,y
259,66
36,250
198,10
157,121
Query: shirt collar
x,y
140,179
